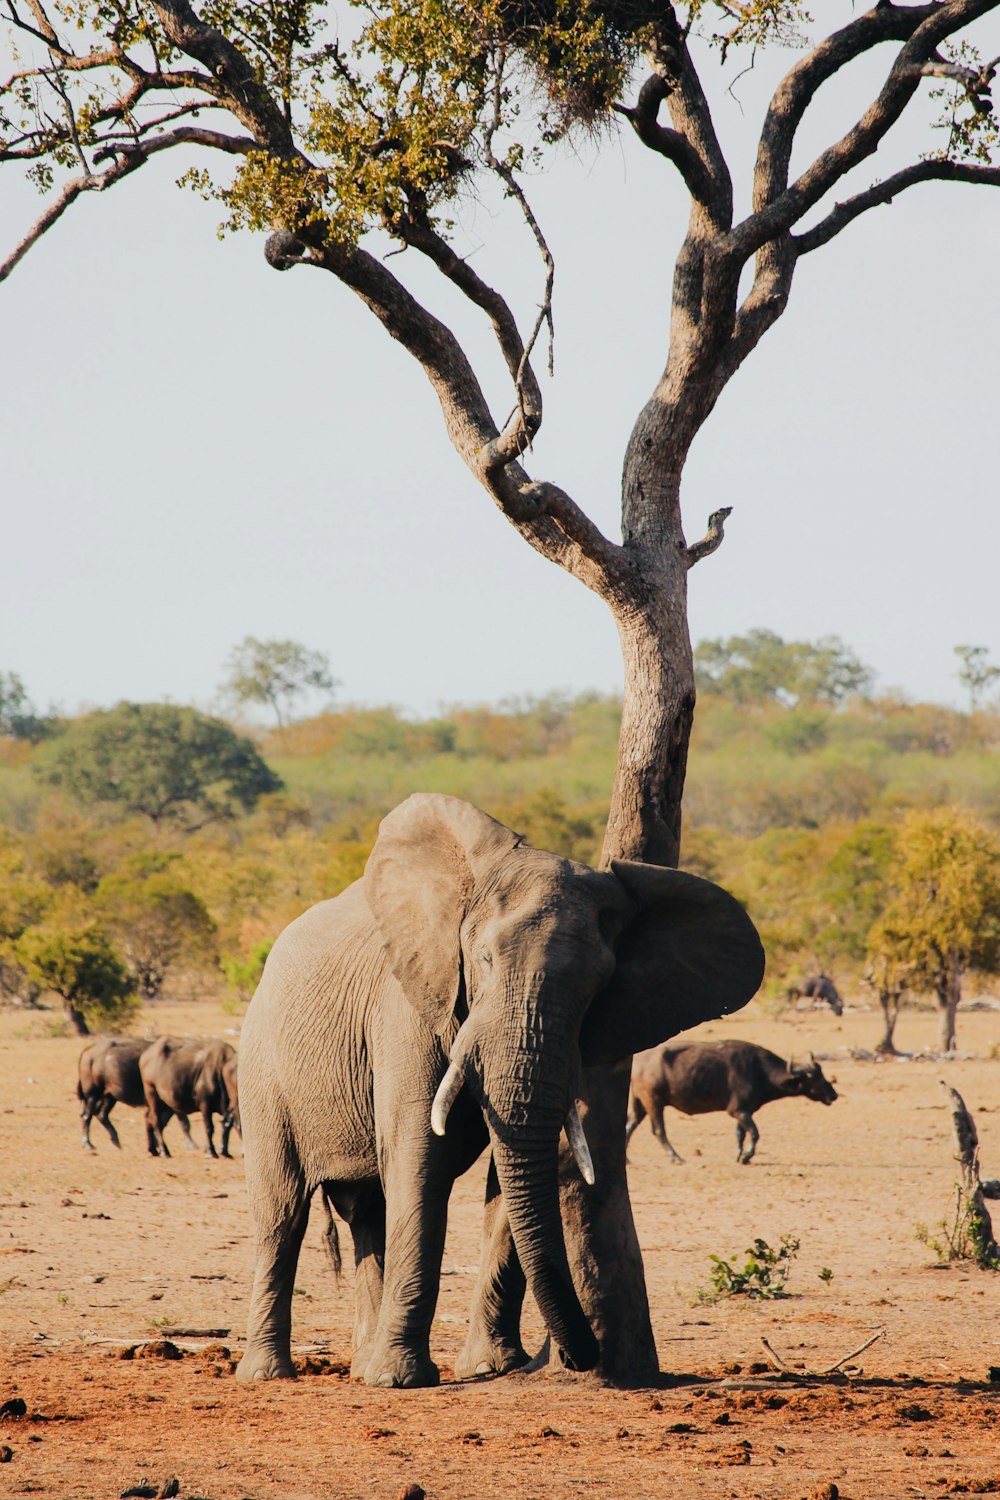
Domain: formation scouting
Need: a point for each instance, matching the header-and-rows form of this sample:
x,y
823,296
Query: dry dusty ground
x,y
101,1254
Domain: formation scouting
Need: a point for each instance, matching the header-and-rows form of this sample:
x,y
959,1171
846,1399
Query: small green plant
x,y
62,1298
762,1275
967,1237
825,1274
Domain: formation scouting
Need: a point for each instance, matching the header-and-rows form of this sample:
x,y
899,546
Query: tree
x,y
944,915
336,140
78,962
975,674
173,765
759,667
278,673
18,718
157,921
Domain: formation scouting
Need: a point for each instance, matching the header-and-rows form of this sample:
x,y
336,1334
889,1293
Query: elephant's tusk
x,y
578,1141
448,1091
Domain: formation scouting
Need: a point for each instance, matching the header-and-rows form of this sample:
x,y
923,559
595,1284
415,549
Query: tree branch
x,y
418,232
777,207
669,143
883,192
68,193
712,539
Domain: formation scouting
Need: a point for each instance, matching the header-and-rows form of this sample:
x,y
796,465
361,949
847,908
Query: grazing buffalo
x,y
820,989
703,1077
108,1074
181,1076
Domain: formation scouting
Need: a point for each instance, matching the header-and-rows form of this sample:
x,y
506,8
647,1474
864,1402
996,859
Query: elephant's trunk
x,y
527,1166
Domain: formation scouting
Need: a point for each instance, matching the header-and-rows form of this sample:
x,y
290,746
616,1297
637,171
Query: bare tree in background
x,y
335,140
278,673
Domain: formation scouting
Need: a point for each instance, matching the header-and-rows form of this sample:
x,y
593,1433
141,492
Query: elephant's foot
x,y
389,1366
484,1356
265,1364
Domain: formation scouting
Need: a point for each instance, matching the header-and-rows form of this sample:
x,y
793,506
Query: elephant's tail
x,y
330,1236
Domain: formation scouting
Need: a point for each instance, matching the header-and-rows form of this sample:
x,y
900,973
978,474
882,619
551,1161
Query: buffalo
x,y
820,989
181,1076
702,1077
108,1074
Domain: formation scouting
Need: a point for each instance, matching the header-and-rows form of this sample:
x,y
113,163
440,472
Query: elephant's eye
x,y
486,958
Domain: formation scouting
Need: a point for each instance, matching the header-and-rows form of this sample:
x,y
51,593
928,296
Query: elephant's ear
x,y
690,954
420,877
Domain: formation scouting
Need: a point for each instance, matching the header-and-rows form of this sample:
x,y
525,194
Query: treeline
x,y
149,847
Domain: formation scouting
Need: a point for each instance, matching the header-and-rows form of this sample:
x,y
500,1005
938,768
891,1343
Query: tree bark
x,y
949,999
890,1015
75,1019
645,824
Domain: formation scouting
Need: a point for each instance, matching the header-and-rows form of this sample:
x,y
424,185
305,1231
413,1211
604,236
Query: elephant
x,y
181,1076
446,1001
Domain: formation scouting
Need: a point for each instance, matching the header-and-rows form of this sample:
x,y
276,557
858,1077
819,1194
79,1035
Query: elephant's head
x,y
549,966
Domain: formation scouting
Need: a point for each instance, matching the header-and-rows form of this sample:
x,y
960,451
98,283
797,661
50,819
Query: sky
x,y
196,448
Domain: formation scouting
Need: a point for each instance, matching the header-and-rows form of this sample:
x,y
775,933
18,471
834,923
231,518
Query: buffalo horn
x,y
578,1141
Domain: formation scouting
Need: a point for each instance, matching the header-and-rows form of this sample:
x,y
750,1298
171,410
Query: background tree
x,y
944,915
278,673
174,765
760,667
976,674
156,920
336,139
18,717
79,963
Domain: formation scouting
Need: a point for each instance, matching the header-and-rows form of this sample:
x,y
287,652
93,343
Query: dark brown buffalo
x,y
738,1077
181,1076
820,989
108,1074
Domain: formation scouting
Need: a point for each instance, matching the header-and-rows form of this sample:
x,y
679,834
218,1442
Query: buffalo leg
x,y
103,1114
206,1115
745,1127
636,1115
660,1131
493,1345
157,1115
86,1115
185,1126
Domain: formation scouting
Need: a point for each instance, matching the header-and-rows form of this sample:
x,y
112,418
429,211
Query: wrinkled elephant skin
x,y
459,942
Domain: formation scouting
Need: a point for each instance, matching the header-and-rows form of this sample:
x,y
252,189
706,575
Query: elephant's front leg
x,y
494,1344
417,1179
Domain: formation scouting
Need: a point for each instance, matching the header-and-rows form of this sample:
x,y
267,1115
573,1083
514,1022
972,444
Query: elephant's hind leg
x,y
493,1345
365,1213
279,1208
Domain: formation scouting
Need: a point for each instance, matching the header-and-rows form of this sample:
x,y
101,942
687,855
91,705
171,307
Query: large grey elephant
x,y
460,942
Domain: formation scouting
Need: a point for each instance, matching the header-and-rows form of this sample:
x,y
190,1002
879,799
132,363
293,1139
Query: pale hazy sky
x,y
196,448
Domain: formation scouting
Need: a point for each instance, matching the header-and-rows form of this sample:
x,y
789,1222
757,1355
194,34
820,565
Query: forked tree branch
x,y
777,209
669,143
884,192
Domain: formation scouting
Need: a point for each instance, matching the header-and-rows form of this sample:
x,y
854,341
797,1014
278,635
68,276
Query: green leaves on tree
x,y
173,765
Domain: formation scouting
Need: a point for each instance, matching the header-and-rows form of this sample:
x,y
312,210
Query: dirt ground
x,y
108,1260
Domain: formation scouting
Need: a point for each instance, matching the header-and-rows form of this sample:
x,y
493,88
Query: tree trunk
x,y
890,1015
644,823
75,1019
949,999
